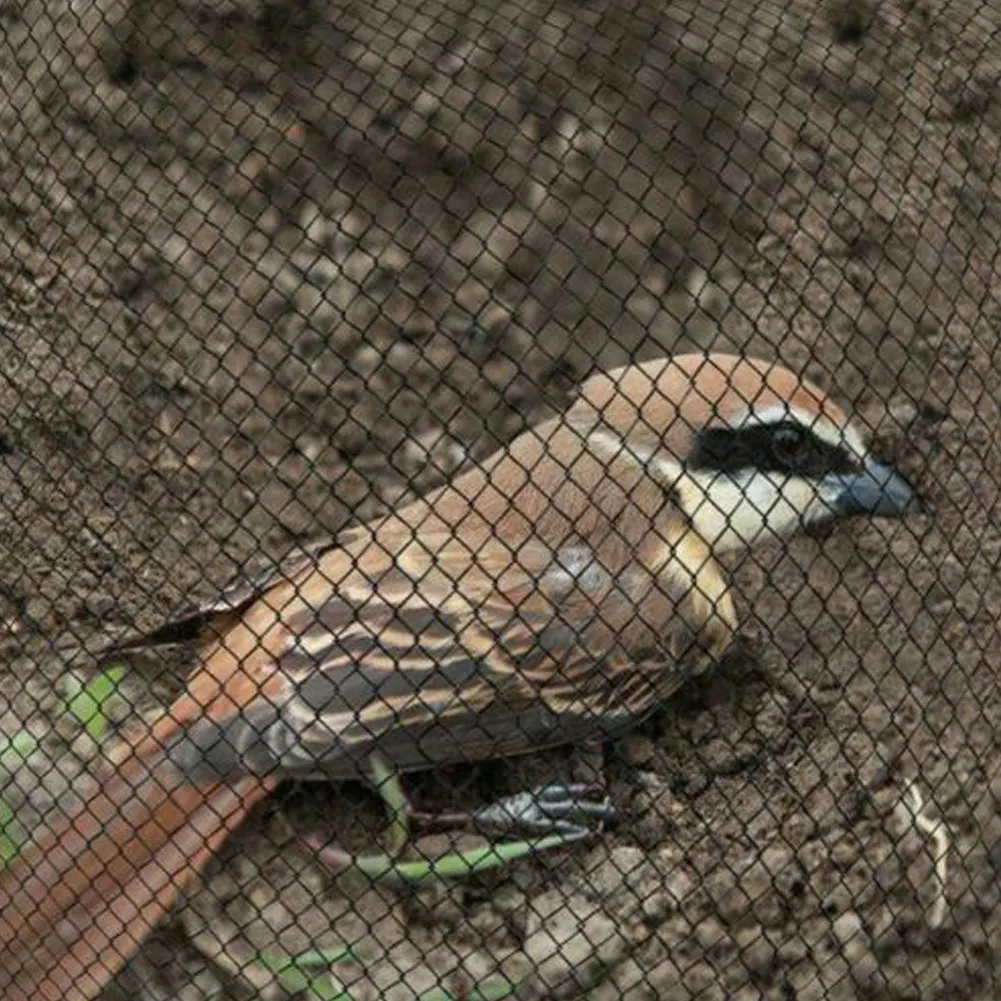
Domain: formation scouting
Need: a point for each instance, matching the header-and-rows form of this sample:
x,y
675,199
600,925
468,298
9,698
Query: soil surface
x,y
265,270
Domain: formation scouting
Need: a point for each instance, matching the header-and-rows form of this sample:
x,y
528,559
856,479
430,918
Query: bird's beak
x,y
877,491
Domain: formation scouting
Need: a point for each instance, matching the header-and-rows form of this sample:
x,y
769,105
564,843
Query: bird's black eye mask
x,y
782,447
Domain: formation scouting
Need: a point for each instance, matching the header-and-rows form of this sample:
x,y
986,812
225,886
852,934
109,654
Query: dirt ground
x,y
266,269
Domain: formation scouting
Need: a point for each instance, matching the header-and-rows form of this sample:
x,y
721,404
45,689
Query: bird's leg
x,y
556,812
589,762
390,789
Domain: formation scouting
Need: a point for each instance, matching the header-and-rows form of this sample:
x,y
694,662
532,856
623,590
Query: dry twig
x,y
914,814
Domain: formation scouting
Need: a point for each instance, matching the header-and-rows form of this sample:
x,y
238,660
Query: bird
x,y
558,592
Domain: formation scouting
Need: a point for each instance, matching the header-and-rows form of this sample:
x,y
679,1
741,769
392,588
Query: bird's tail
x,y
76,905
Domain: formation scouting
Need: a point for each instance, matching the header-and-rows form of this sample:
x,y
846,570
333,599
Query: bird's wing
x,y
212,618
458,657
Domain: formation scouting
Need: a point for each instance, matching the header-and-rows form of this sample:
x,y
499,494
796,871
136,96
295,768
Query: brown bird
x,y
556,594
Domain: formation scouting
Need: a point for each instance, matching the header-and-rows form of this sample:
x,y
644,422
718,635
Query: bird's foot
x,y
570,809
548,817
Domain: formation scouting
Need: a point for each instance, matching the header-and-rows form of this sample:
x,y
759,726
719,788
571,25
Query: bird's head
x,y
751,450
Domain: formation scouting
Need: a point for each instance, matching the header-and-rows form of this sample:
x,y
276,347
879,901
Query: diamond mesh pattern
x,y
350,509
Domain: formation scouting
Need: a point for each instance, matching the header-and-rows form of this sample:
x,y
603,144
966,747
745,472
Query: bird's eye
x,y
790,446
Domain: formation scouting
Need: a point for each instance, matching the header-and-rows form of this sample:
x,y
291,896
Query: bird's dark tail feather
x,y
76,905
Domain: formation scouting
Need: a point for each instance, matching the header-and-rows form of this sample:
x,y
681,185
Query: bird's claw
x,y
570,809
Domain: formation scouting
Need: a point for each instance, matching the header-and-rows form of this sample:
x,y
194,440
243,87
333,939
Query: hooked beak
x,y
877,491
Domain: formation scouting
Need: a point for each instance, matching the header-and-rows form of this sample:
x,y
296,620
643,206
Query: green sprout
x,y
91,705
309,974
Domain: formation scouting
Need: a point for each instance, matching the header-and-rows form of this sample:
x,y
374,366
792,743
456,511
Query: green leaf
x,y
311,960
492,990
15,751
479,336
328,990
90,703
459,865
293,973
12,835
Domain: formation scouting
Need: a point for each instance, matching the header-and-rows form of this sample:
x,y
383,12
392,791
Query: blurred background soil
x,y
266,269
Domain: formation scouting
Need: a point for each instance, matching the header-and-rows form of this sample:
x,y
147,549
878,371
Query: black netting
x,y
499,498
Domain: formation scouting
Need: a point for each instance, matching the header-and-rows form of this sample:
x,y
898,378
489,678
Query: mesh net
x,y
407,593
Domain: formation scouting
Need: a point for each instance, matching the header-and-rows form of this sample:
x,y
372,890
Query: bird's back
x,y
536,601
